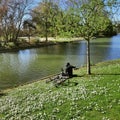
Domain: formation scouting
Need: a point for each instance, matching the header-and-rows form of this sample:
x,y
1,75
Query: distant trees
x,y
3,9
29,28
11,18
117,27
54,19
45,17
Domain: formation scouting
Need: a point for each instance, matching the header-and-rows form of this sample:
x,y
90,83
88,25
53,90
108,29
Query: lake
x,y
32,64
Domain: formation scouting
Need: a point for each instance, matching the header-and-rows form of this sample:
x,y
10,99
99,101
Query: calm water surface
x,y
32,64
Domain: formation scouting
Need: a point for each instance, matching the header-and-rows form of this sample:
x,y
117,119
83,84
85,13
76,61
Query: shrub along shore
x,y
85,97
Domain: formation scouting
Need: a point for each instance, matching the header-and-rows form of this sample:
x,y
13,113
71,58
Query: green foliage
x,y
80,18
45,15
90,17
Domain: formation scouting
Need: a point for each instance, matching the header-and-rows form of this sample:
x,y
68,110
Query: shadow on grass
x,y
70,83
105,74
2,94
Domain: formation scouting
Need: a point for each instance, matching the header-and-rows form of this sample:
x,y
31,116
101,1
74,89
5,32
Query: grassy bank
x,y
94,97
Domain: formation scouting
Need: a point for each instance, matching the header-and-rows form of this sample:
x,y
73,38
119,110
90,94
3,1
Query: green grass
x,y
94,97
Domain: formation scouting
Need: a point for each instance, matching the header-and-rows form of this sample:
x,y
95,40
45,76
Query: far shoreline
x,y
41,43
24,43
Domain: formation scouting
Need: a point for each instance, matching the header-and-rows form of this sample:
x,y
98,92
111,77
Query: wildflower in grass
x,y
75,118
39,116
105,118
60,102
103,112
94,92
97,107
42,107
114,101
74,99
56,110
109,106
78,113
118,102
89,107
53,117
72,103
72,109
49,90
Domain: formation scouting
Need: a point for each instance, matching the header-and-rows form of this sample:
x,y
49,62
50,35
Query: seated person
x,y
69,70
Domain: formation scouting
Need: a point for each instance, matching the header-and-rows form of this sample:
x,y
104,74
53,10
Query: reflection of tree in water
x,y
114,49
14,66
25,59
74,53
99,49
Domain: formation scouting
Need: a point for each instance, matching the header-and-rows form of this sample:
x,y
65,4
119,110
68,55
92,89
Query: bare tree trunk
x,y
88,57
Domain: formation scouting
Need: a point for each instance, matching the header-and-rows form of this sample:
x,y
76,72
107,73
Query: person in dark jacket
x,y
69,69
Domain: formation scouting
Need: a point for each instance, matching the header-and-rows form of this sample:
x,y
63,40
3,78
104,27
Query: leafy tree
x,y
109,31
45,17
118,28
89,17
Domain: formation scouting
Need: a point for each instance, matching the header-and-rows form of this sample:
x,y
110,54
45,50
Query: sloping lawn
x,y
85,97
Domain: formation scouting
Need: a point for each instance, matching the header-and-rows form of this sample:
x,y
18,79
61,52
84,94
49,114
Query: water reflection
x,y
114,48
27,65
82,53
99,49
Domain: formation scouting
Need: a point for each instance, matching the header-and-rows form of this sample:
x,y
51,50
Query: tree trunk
x,y
88,58
46,36
46,30
29,34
